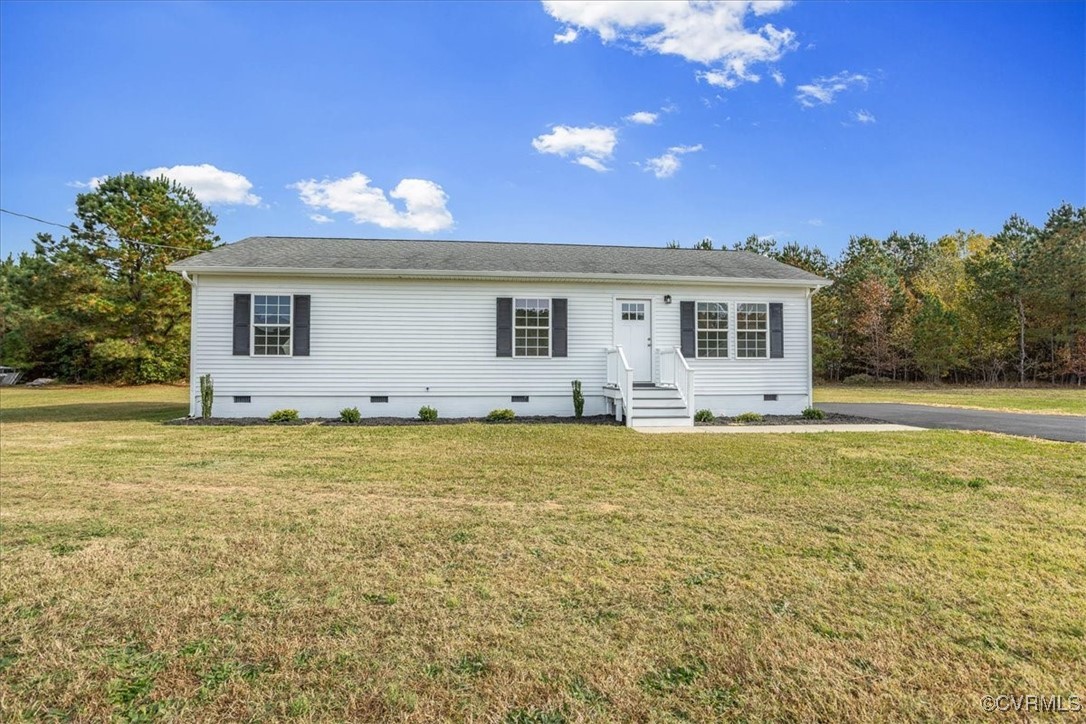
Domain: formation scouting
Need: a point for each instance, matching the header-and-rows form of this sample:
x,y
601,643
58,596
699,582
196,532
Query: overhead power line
x,y
112,236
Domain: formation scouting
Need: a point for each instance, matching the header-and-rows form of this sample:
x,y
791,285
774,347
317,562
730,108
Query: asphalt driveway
x,y
1067,428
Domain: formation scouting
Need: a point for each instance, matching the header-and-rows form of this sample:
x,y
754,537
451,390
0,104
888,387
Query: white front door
x,y
633,332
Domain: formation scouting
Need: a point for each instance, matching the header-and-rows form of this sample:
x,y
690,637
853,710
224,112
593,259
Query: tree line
x,y
97,304
966,307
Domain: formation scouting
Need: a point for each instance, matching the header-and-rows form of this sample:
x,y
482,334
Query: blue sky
x,y
805,121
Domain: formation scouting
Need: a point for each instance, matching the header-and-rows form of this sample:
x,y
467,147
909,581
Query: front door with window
x,y
633,332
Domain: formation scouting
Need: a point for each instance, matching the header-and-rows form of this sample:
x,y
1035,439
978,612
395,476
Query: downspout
x,y
810,349
191,281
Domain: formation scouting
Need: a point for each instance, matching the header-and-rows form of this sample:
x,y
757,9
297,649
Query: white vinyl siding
x,y
418,337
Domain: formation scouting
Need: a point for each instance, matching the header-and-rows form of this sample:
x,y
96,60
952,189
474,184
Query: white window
x,y
633,311
271,324
531,327
712,329
751,330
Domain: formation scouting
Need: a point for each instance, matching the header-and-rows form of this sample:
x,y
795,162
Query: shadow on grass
x,y
95,412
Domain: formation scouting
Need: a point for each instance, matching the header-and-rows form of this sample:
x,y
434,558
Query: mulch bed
x,y
832,418
390,421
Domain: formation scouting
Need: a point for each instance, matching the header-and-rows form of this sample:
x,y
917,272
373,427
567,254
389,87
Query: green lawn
x,y
526,573
1051,400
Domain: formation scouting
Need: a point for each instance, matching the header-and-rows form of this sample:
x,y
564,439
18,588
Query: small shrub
x,y
350,414
283,416
500,415
813,413
578,399
750,417
704,416
860,379
427,413
207,395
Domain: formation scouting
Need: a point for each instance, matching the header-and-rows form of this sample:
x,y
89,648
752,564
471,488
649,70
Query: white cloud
x,y
567,37
210,184
424,202
665,165
645,118
92,183
823,91
591,163
814,222
591,145
713,34
321,218
778,77
863,116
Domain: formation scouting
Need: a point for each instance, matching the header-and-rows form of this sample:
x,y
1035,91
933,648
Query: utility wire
x,y
113,236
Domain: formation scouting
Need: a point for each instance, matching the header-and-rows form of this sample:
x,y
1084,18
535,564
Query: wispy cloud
x,y
590,146
814,222
714,35
823,91
91,183
666,164
778,77
321,218
863,116
424,202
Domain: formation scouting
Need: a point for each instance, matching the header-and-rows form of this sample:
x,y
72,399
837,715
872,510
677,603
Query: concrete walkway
x,y
1065,428
739,429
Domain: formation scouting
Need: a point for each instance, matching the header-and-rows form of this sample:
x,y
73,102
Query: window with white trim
x,y
712,329
271,324
531,327
633,311
752,330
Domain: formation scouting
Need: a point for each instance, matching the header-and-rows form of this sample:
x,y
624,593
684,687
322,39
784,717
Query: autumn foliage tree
x,y
98,303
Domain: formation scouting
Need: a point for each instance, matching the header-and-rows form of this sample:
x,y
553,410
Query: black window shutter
x,y
688,336
559,348
301,325
776,330
505,327
241,324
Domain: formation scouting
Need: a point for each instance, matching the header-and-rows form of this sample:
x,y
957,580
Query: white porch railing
x,y
674,370
620,375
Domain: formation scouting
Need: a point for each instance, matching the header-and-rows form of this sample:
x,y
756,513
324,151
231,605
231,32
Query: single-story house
x,y
388,326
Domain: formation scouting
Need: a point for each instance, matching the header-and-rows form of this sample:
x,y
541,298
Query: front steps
x,y
659,407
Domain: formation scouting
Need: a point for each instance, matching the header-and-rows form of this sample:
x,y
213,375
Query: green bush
x,y
813,413
350,414
704,416
750,417
283,416
500,415
860,379
427,413
578,399
207,395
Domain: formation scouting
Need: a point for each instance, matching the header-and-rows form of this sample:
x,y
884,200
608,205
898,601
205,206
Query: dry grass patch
x,y
530,573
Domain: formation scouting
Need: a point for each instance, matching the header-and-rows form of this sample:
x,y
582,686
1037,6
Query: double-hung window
x,y
531,327
752,330
271,324
712,329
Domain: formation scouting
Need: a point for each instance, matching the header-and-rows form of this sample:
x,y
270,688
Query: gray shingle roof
x,y
272,253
